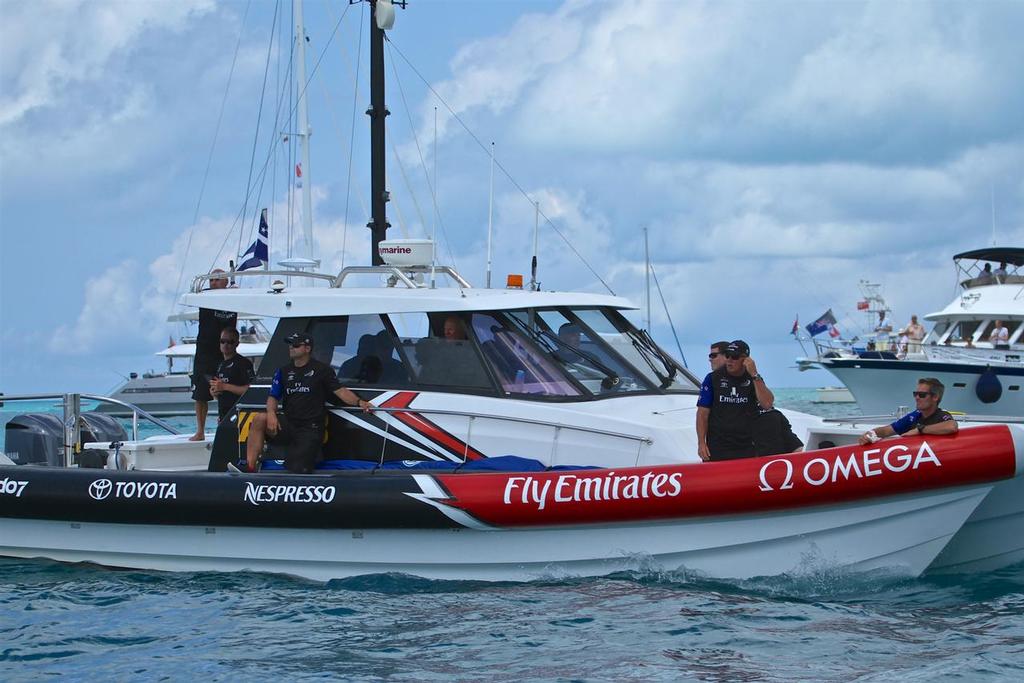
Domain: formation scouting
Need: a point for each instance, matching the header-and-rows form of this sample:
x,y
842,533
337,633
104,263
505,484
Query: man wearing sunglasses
x,y
928,418
234,374
303,386
731,399
716,356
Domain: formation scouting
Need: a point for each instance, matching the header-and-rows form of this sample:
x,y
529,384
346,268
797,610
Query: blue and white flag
x,y
257,254
822,324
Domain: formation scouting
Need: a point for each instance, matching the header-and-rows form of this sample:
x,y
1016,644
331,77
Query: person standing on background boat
x,y
985,277
1000,336
716,356
1000,273
915,335
928,418
303,386
731,399
208,355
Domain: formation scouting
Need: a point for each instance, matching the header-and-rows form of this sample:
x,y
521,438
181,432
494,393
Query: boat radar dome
x,y
417,252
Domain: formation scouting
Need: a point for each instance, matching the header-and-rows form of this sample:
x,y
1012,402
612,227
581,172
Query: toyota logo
x,y
100,489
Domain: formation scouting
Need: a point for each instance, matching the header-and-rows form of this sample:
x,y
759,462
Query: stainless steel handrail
x,y
198,280
137,412
464,413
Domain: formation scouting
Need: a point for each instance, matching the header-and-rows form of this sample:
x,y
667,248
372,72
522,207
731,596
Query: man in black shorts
x,y
728,406
208,355
303,387
232,379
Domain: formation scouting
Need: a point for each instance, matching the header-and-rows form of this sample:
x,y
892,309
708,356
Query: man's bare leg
x,y
201,409
257,437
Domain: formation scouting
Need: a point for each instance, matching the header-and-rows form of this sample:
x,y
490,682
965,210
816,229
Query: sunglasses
x,y
922,394
298,344
228,341
713,355
733,356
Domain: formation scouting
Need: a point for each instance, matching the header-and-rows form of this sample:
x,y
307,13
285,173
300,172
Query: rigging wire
x,y
352,135
213,147
259,119
275,143
668,315
419,150
496,162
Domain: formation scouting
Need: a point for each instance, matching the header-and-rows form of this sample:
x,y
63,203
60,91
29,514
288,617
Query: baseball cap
x,y
299,338
738,346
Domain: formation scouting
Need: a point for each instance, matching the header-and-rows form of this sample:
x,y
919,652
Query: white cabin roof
x,y
1005,302
327,301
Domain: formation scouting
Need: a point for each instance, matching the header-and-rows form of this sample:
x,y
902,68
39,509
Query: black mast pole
x,y
377,112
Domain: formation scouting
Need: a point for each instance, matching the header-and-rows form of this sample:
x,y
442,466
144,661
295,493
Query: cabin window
x,y
521,367
365,353
439,350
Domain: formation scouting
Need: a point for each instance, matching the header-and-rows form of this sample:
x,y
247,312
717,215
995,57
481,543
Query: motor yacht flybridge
x,y
548,437
983,376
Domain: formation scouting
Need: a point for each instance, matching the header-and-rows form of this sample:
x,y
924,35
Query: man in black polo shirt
x,y
303,387
208,355
928,418
229,383
234,374
728,406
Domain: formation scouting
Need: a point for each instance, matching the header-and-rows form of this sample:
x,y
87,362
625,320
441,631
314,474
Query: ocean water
x,y
82,622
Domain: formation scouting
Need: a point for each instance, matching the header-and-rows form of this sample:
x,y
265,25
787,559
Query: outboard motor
x,y
38,438
35,439
988,389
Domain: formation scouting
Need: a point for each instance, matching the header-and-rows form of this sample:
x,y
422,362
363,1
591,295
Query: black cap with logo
x,y
299,338
738,347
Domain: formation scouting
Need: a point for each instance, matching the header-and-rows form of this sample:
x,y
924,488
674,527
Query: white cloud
x,y
51,45
750,81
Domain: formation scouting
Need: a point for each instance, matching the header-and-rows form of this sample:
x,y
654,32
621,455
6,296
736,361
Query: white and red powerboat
x,y
550,437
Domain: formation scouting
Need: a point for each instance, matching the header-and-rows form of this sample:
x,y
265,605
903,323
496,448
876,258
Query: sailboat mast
x,y
304,133
377,112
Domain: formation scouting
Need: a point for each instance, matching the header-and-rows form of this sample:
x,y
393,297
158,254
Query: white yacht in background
x,y
982,378
168,393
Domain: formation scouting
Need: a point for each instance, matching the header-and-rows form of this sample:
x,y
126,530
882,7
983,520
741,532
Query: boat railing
x,y
640,441
404,275
199,280
71,405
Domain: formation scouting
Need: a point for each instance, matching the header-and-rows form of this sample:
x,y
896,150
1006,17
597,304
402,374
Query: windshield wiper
x,y
645,346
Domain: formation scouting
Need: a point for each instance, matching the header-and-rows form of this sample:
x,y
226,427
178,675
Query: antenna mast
x,y
382,18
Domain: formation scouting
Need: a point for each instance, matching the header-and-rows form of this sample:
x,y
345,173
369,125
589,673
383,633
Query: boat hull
x,y
901,535
878,385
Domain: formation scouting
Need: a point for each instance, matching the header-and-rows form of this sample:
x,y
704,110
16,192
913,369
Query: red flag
x,y
833,331
862,305
796,325
298,170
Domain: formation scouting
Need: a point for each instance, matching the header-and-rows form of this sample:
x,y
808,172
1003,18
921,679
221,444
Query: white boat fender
x,y
988,389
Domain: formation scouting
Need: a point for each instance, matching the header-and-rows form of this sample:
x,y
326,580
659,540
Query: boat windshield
x,y
557,353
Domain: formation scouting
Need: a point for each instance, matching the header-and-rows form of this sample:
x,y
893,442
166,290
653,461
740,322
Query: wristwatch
x,y
757,377
920,428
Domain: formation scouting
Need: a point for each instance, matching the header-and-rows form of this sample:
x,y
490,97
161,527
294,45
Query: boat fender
x,y
988,389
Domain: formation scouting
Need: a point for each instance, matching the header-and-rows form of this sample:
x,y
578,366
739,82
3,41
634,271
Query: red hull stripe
x,y
423,426
755,485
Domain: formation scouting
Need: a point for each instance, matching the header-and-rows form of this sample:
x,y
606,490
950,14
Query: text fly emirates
x,y
569,488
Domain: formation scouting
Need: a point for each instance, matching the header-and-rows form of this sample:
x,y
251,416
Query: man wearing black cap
x,y
729,404
303,386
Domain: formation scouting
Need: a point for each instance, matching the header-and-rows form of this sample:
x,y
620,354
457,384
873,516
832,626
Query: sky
x,y
777,153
